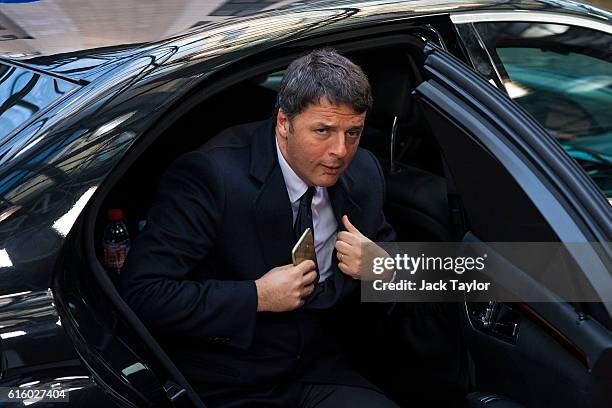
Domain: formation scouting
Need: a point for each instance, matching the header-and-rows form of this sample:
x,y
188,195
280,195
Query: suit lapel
x,y
271,209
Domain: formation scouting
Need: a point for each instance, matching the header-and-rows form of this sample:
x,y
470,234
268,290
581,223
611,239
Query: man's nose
x,y
338,148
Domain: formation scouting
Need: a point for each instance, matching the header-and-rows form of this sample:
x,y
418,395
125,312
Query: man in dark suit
x,y
211,274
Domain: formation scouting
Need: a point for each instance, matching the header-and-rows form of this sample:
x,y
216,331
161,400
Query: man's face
x,y
322,141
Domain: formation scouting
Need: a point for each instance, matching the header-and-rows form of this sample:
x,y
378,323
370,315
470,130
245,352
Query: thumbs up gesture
x,y
355,250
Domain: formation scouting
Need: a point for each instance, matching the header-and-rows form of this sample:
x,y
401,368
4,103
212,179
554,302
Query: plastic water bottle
x,y
116,241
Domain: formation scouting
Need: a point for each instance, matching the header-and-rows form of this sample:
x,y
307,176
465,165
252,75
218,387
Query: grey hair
x,y
323,73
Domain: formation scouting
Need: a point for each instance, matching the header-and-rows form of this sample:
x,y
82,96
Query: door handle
x,y
495,319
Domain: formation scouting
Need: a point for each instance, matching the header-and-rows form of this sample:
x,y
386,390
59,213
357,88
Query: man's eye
x,y
353,134
321,131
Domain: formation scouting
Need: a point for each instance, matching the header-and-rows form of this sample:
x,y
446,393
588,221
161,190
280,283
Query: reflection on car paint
x,y
24,94
26,317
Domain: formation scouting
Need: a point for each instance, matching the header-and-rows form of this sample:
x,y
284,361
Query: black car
x,y
466,128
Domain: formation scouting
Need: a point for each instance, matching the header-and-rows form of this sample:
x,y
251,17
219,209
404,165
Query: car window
x,y
273,80
562,75
23,93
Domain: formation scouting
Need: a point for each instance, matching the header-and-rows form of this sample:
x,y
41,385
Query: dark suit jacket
x,y
221,219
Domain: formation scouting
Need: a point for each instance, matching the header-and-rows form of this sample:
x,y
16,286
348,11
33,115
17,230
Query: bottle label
x,y
115,254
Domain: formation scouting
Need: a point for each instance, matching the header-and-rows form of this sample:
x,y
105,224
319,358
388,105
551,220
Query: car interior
x,y
422,353
416,206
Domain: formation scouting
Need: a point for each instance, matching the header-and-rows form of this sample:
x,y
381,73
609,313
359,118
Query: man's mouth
x,y
331,169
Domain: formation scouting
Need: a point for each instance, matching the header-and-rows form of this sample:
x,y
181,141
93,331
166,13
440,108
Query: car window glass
x,y
23,94
562,75
273,80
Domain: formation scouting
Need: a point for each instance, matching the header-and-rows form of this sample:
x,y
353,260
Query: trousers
x,y
299,394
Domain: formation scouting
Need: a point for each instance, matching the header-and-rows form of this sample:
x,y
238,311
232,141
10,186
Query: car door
x,y
559,68
511,182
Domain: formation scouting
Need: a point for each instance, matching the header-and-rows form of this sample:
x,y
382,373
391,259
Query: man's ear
x,y
282,123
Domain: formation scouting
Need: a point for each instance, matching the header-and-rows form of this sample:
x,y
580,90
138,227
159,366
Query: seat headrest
x,y
392,86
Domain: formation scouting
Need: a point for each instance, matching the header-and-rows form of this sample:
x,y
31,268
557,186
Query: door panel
x,y
558,356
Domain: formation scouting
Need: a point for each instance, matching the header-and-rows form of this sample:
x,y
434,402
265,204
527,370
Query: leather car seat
x,y
416,202
417,205
393,78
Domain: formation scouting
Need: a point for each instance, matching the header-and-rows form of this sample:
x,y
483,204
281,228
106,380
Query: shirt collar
x,y
295,185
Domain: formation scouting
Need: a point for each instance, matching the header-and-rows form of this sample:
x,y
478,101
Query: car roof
x,y
103,35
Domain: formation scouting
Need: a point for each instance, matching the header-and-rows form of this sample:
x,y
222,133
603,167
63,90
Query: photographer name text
x,y
429,286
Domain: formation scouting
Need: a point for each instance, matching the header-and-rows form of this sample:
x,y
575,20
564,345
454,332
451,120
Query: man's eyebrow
x,y
319,125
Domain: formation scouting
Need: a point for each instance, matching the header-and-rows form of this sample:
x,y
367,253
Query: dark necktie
x,y
303,221
304,214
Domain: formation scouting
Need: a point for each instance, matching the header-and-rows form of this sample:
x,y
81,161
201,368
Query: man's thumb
x,y
349,227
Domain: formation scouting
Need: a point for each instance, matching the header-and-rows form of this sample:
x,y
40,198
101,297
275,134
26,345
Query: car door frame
x,y
529,153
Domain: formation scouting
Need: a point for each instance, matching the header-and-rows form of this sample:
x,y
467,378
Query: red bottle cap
x,y
114,214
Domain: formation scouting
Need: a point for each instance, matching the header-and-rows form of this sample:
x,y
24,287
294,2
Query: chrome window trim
x,y
531,16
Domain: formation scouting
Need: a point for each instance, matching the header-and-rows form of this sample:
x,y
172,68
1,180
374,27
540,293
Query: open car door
x,y
509,181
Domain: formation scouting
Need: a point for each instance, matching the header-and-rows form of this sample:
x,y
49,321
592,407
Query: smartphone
x,y
304,249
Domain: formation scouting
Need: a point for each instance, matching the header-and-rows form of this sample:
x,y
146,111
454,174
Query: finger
x,y
305,266
347,270
285,266
343,247
344,268
342,258
307,290
309,278
347,237
300,303
349,227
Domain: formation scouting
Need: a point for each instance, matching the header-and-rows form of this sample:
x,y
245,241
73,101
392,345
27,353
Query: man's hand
x,y
284,288
355,252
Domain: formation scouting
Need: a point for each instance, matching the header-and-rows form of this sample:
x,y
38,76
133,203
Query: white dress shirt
x,y
323,219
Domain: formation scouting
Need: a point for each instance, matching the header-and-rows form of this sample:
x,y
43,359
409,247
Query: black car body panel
x,y
88,64
36,352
